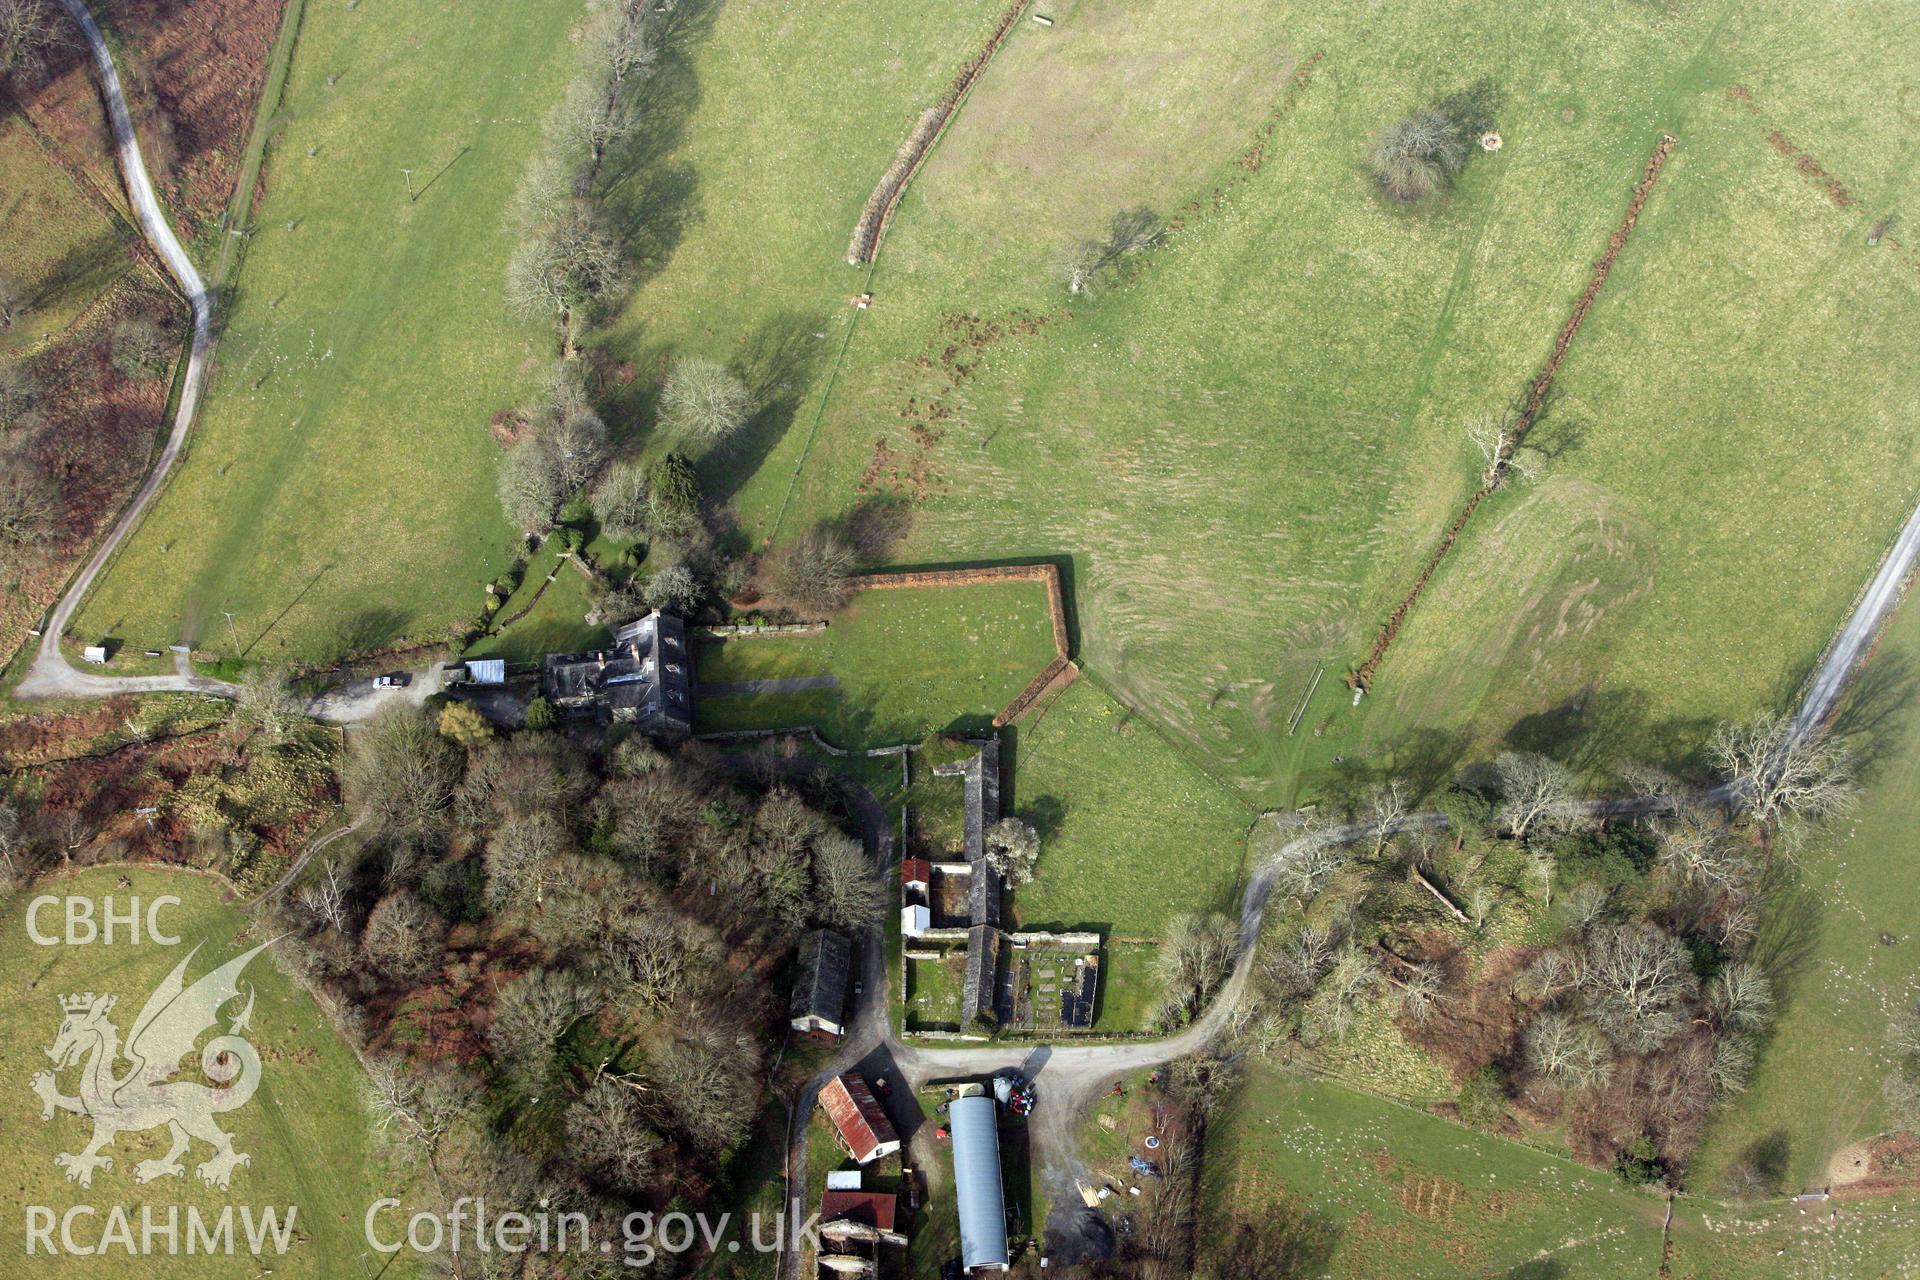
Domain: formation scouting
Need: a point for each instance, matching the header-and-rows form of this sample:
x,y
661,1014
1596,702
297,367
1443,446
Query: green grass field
x,y
910,661
340,487
1406,1194
1249,450
1818,1082
1697,477
61,252
1131,834
771,123
933,993
308,1100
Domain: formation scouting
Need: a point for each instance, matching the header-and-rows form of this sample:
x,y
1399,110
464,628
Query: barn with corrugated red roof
x,y
858,1118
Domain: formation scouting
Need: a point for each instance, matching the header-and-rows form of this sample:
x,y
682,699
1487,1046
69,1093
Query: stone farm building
x,y
947,903
819,1000
645,679
980,773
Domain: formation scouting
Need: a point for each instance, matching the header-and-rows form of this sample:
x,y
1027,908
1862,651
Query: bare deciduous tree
x,y
620,501
326,898
816,570
704,399
1196,958
1497,437
1741,998
1542,861
1637,978
530,1015
27,32
848,892
1566,1051
401,772
1420,994
1532,788
610,1138
673,589
1012,848
141,349
19,398
29,510
1306,854
524,860
1381,812
1698,850
1778,772
592,118
531,489
1129,232
1330,1015
1417,156
578,441
1588,904
706,1100
402,937
13,850
568,268
266,701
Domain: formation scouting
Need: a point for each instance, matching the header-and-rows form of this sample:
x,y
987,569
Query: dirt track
x,y
51,675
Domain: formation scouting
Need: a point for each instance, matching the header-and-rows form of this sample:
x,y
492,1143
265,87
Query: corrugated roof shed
x,y
976,1183
487,670
859,1118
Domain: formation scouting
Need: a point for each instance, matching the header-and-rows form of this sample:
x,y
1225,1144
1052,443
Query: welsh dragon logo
x,y
145,1095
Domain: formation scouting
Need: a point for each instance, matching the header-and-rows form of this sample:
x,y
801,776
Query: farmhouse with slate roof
x,y
645,679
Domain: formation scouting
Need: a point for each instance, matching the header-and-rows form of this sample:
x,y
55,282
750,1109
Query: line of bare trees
x,y
578,935
570,263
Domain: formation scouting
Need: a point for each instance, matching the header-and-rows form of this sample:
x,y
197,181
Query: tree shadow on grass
x,y
649,195
1873,719
367,630
778,363
1788,936
1425,759
1599,729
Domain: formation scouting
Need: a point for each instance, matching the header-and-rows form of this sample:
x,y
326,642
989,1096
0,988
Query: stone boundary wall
x,y
1362,676
723,630
906,162
1056,675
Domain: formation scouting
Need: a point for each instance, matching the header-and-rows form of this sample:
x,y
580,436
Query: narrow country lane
x,y
51,675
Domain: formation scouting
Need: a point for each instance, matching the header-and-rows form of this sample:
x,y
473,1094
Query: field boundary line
x,y
273,93
921,139
866,285
1362,676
